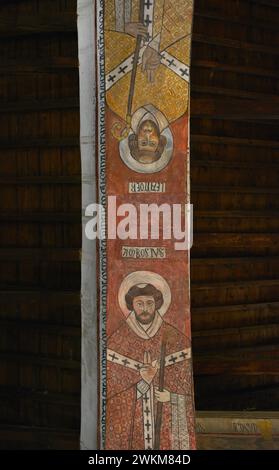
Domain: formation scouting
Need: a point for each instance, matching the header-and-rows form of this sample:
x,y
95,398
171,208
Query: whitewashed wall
x,y
89,398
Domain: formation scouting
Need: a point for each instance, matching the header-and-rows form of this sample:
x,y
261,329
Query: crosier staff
x,y
159,408
117,130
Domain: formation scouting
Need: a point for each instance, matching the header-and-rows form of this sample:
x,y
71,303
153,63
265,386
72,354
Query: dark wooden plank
x,y
40,254
224,243
237,214
219,91
234,268
241,362
39,180
22,106
27,65
30,437
233,331
210,262
253,336
41,327
239,366
234,315
211,14
220,140
236,163
234,109
39,143
40,275
43,216
38,24
270,3
34,296
262,352
215,66
234,44
40,360
260,9
233,189
44,396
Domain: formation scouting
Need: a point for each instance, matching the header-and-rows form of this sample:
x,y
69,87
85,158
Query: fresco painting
x,y
146,390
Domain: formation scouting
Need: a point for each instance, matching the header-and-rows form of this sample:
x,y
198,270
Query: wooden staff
x,y
159,409
117,130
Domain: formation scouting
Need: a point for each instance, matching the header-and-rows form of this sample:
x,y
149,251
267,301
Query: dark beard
x,y
148,318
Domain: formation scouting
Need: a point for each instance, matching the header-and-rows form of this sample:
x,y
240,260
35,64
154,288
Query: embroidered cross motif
x,y
125,362
147,411
113,357
112,78
173,359
148,425
184,72
148,4
147,21
171,62
148,439
122,69
146,399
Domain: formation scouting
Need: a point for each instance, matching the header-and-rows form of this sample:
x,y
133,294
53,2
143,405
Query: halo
x,y
142,278
147,168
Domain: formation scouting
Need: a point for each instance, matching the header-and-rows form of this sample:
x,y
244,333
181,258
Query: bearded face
x,y
144,307
148,137
147,145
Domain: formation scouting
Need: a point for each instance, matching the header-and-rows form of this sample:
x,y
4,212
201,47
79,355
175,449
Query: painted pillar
x,y
142,127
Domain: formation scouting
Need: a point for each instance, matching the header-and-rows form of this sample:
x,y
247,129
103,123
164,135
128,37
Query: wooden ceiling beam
x,y
40,254
241,330
235,44
39,105
214,139
39,180
269,3
237,214
232,189
239,20
40,360
222,365
230,241
44,396
38,24
36,296
37,64
42,436
50,142
215,66
41,327
236,93
43,216
234,109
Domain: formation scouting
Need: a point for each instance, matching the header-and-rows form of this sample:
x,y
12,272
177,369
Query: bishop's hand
x,y
163,397
136,29
149,369
151,60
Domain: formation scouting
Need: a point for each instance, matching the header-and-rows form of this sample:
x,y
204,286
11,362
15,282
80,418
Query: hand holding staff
x,y
117,130
159,411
